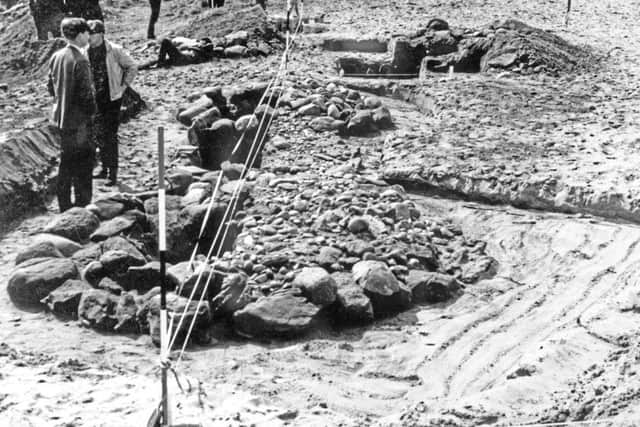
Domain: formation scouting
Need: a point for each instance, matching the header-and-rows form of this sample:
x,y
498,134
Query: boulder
x,y
187,114
387,294
311,110
317,285
358,224
327,124
280,316
382,118
143,278
34,279
38,250
179,181
125,314
76,224
96,309
66,246
237,38
328,256
199,314
202,280
232,297
123,224
64,300
361,123
235,51
116,262
352,305
232,171
216,143
247,127
482,268
431,287
106,208
110,285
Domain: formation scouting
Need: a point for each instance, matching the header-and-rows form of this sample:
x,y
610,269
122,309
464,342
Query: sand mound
x,y
22,53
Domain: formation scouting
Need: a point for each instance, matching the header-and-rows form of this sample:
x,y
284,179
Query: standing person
x,y
155,14
292,4
113,70
70,84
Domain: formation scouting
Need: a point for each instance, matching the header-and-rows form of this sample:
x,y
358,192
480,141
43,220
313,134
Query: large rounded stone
x,y
387,294
64,300
317,285
35,278
431,287
66,246
38,250
280,316
76,224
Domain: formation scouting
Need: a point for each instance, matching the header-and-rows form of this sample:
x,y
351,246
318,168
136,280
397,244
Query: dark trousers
x,y
75,169
155,14
106,125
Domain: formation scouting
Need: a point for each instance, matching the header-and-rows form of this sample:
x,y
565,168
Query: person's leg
x,y
65,168
111,123
169,54
155,14
83,166
99,136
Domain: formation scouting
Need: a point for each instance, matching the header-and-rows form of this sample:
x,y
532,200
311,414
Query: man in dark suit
x,y
70,83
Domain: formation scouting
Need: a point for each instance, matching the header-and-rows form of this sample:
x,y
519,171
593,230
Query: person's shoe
x,y
102,174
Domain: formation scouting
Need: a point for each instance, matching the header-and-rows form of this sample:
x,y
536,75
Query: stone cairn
x,y
298,249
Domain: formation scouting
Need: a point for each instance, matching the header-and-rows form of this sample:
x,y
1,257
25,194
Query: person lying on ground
x,y
182,51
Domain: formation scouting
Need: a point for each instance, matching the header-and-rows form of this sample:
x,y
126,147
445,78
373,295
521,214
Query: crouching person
x,y
70,84
113,70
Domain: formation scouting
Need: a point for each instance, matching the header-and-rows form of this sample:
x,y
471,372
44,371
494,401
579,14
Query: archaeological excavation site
x,y
305,213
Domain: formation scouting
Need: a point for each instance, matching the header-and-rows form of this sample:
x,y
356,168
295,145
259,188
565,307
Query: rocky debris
x,y
64,300
222,118
507,45
241,31
334,108
26,162
32,280
75,224
281,316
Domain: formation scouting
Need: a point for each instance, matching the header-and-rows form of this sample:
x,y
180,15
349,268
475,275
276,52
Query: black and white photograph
x,y
314,213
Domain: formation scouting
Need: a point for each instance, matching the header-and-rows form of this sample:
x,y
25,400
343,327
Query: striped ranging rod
x,y
162,252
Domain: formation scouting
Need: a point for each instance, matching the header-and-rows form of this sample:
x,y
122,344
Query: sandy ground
x,y
510,350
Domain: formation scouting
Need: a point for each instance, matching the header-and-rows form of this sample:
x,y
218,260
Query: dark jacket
x,y
71,85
